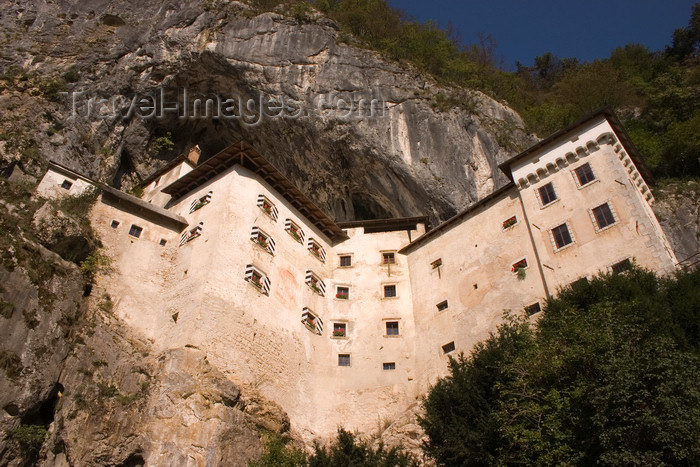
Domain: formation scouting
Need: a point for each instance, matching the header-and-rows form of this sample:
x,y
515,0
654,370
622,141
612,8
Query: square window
x,y
447,348
532,309
114,224
584,174
342,293
267,207
345,261
343,359
135,230
392,328
562,236
340,329
442,306
294,230
603,216
389,366
522,264
163,242
388,258
66,185
547,194
622,266
436,264
389,291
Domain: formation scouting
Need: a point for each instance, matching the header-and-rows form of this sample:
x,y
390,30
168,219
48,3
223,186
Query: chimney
x,y
194,153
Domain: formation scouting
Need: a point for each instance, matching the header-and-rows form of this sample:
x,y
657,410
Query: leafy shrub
x,y
608,376
29,437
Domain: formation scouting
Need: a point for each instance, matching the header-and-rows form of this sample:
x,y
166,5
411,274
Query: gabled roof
x,y
455,219
243,154
136,204
568,131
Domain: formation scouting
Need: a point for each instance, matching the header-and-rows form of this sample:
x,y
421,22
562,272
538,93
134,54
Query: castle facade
x,y
350,323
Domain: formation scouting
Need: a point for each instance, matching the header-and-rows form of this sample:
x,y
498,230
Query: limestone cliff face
x,y
418,156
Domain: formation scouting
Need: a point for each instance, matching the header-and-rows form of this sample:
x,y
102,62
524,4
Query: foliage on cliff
x,y
608,375
657,94
346,449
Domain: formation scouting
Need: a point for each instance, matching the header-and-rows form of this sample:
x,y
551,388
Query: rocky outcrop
x,y
678,209
430,150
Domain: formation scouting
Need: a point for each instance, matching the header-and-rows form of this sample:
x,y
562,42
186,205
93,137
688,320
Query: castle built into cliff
x,y
350,323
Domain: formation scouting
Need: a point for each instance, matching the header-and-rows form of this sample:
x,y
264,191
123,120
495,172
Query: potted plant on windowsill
x,y
295,235
339,333
509,222
341,296
262,241
315,288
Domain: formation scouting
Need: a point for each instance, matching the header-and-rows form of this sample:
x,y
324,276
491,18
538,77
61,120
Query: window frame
x,y
318,252
340,260
448,348
115,224
68,182
445,302
594,218
338,293
199,203
507,225
272,212
577,179
189,235
313,278
553,239
344,359
385,256
397,327
269,245
312,321
528,309
539,195
388,366
384,290
133,228
294,231
627,262
262,284
336,327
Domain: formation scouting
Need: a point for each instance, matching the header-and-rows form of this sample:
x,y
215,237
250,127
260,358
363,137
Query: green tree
x,y
608,376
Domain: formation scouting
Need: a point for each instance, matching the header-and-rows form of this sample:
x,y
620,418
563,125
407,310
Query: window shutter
x,y
248,272
301,234
184,237
287,224
261,200
322,286
275,213
307,279
271,245
254,232
266,285
193,205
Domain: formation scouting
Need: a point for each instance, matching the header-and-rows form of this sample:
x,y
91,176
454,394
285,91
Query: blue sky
x,y
585,29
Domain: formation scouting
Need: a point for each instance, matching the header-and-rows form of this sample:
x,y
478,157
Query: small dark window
x,y
114,224
622,266
340,329
66,185
561,234
388,258
442,306
163,242
603,216
389,366
392,328
389,291
547,194
447,348
342,293
345,261
135,230
584,174
532,309
343,359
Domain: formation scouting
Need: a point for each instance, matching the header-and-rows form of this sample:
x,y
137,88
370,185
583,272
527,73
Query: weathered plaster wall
x,y
475,278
